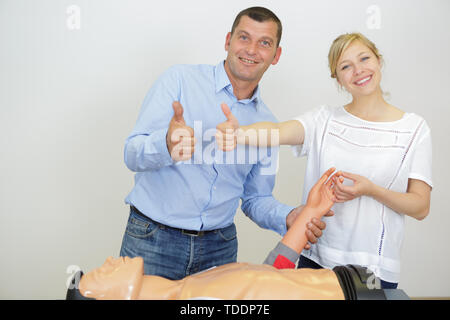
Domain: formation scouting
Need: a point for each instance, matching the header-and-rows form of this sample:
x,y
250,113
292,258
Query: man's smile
x,y
248,61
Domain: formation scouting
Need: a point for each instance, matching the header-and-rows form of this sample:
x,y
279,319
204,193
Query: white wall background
x,y
69,98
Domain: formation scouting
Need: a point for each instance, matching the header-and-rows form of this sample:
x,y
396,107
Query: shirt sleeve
x,y
146,148
422,160
282,257
258,202
311,121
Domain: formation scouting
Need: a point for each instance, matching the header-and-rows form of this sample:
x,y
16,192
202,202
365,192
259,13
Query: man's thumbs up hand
x,y
231,119
180,137
178,113
226,134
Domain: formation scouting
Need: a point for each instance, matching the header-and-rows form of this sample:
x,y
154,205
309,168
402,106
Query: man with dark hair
x,y
259,14
185,195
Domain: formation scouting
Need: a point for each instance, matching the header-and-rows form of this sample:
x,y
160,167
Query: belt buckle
x,y
192,233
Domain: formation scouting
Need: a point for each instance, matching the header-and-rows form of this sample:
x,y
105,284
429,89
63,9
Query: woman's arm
x,y
269,134
263,134
415,202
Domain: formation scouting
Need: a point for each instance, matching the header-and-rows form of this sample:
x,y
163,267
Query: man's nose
x,y
251,48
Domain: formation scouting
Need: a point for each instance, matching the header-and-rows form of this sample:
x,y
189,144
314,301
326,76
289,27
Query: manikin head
x,y
119,278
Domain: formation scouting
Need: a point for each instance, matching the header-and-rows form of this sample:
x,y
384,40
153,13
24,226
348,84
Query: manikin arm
x,y
320,200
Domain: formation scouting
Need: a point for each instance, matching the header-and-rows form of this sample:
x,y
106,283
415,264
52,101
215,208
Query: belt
x,y
183,231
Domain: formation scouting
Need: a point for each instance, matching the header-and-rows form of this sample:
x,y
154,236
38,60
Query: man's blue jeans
x,y
173,255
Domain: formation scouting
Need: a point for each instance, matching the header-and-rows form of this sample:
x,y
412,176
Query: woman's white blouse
x,y
363,231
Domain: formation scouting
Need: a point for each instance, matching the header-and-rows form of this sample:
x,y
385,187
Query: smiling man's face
x,y
252,48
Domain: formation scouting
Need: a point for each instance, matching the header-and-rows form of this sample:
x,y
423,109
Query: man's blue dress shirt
x,y
202,193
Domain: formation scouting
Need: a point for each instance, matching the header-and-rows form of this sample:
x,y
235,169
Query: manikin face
x,y
119,278
359,70
251,50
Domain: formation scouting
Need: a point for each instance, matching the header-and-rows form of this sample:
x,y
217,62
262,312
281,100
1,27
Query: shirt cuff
x,y
158,140
281,219
421,177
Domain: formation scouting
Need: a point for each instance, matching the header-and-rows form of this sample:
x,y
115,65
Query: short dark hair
x,y
259,14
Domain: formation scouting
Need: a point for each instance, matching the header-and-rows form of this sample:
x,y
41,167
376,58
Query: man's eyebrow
x,y
242,31
267,38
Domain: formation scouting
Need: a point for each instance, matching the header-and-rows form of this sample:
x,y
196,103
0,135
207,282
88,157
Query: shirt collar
x,y
223,82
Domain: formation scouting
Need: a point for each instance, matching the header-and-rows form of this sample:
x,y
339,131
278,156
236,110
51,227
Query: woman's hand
x,y
361,186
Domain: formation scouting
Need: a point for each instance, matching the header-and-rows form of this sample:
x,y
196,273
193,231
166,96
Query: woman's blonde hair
x,y
341,43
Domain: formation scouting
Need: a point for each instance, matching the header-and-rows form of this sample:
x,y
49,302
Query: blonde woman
x,y
382,152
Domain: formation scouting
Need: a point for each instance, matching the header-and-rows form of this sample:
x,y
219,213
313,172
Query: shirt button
x,y
214,188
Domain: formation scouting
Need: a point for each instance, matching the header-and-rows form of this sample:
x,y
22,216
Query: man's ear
x,y
227,41
277,56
